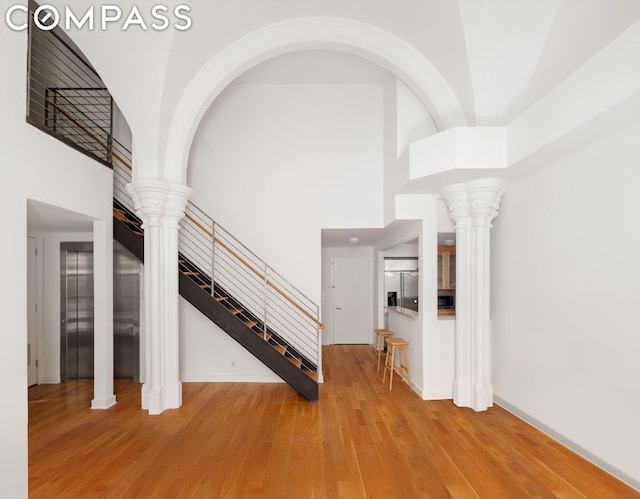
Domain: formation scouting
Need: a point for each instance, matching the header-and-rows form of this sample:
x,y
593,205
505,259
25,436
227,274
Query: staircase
x,y
233,288
218,275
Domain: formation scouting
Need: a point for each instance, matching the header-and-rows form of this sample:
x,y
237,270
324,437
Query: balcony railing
x,y
66,97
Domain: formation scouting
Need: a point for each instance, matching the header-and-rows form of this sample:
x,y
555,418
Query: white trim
x,y
103,403
230,378
558,437
445,394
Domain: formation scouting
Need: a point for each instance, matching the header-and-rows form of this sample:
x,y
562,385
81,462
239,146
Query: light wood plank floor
x,y
262,440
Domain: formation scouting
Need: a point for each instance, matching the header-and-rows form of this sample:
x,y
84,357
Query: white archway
x,y
343,35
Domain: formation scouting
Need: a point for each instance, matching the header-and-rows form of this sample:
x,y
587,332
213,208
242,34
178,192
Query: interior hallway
x,y
264,440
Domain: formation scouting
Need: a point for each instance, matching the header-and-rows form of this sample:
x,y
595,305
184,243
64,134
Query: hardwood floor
x,y
263,440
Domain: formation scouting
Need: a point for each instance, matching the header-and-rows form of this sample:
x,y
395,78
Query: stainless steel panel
x,y
126,314
410,290
76,311
85,318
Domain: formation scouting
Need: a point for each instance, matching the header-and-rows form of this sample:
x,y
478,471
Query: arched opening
x,y
342,35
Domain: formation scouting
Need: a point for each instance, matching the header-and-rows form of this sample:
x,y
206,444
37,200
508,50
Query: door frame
x,y
33,292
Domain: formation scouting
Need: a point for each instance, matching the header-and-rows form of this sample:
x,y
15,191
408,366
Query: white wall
x,y
32,166
566,268
209,354
414,121
405,120
274,164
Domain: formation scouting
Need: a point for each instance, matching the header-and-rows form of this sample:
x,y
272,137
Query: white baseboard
x,y
50,380
103,403
600,463
444,394
229,378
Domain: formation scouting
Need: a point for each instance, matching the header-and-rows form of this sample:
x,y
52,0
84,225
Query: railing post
x,y
266,302
319,355
213,257
110,137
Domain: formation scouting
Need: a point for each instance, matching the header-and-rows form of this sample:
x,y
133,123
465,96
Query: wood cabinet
x,y
446,267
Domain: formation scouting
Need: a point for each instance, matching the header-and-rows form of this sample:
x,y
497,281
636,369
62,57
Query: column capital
x,y
484,197
177,199
476,200
157,199
456,198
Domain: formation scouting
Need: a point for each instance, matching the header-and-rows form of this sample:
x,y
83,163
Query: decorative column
x,y
473,206
160,204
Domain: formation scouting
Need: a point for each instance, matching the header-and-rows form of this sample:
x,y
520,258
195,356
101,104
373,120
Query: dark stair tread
x,y
221,298
251,324
236,311
281,348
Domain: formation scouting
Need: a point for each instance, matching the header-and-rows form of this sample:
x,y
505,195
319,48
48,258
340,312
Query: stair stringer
x,y
219,315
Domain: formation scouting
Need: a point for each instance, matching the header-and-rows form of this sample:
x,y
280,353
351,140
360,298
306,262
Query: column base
x,y
103,403
155,400
482,397
462,394
158,399
173,395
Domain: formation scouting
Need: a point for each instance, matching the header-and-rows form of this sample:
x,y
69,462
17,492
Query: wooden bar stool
x,y
378,347
403,360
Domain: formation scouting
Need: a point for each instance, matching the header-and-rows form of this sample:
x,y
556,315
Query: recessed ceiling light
x,y
354,240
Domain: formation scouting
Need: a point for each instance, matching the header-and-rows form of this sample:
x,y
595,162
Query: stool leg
x,y
386,365
379,352
392,366
405,364
375,351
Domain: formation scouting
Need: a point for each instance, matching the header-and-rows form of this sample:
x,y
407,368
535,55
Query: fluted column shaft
x,y
160,205
473,205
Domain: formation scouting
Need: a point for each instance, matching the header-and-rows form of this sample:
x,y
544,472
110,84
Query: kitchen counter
x,y
405,311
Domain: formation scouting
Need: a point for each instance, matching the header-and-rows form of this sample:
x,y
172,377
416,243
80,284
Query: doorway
x,y
76,311
352,300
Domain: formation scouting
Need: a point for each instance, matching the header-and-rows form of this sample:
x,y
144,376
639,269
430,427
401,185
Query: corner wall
x,y
565,295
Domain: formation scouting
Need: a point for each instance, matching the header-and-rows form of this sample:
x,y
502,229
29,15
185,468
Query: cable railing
x,y
284,315
279,306
66,97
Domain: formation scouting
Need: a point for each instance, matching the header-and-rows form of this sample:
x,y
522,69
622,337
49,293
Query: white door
x,y
32,312
352,300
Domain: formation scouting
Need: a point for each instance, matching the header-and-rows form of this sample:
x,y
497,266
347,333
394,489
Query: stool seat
x,y
399,344
379,346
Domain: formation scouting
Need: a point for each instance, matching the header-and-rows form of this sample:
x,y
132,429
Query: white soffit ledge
x,y
467,148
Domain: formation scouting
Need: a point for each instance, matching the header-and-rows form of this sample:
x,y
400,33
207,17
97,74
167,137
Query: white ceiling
x,y
338,238
48,218
315,67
